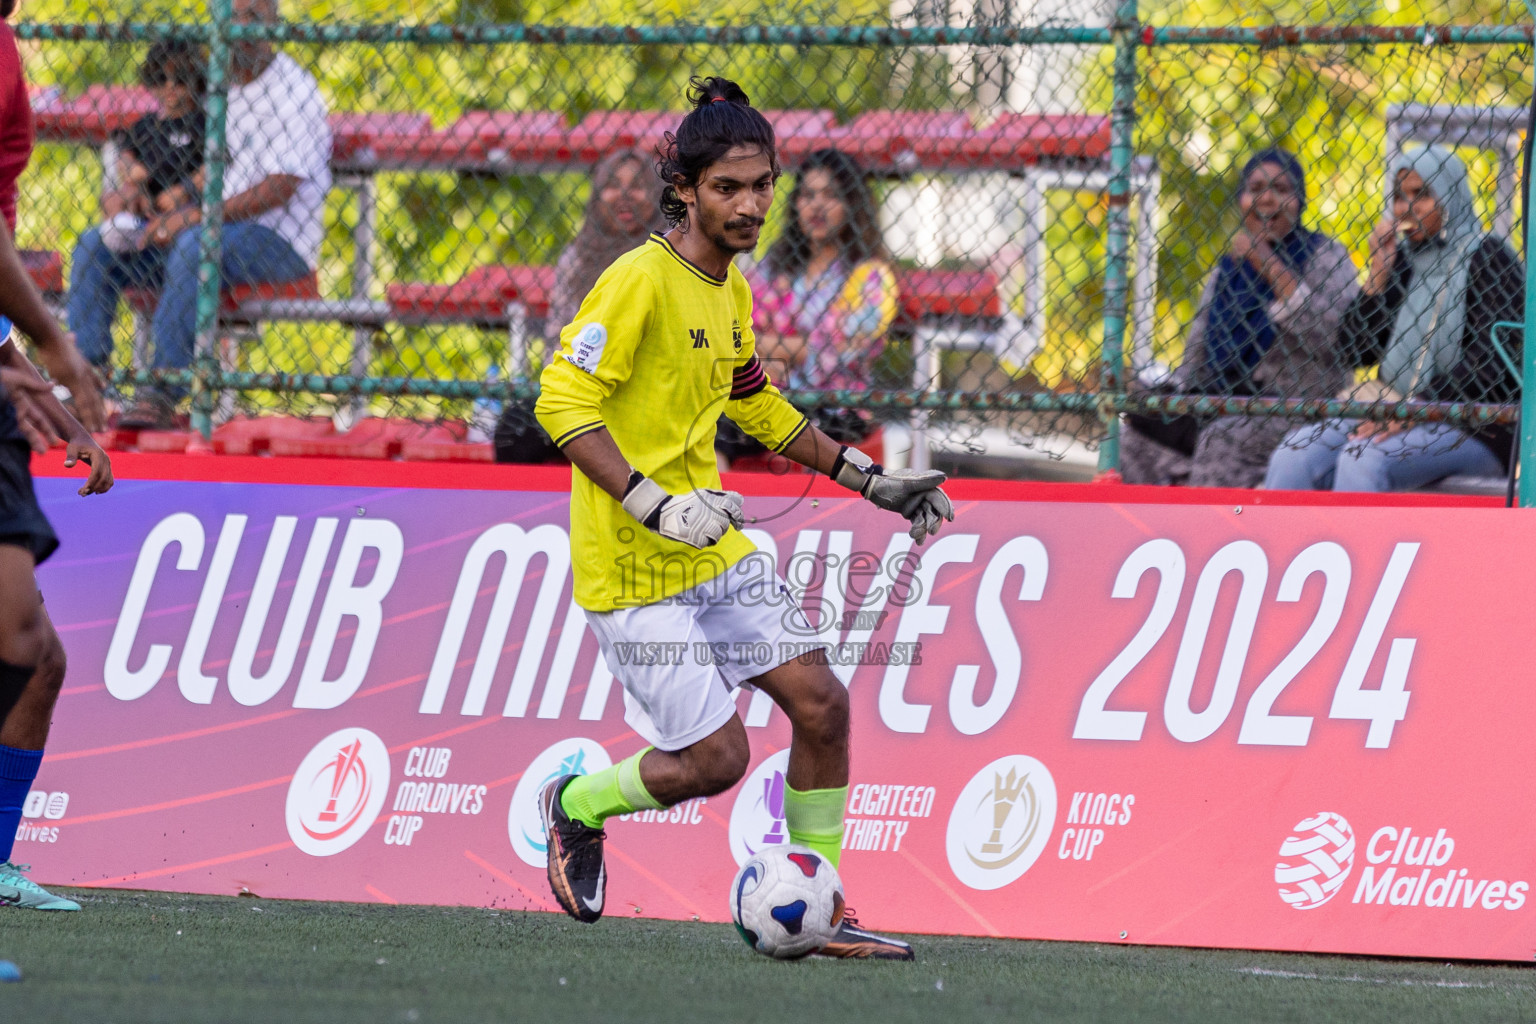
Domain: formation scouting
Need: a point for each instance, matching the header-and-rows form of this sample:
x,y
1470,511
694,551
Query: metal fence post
x,y
1527,432
205,364
1117,243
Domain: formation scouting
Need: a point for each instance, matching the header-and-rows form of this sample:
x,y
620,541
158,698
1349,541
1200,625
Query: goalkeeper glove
x,y
912,492
698,518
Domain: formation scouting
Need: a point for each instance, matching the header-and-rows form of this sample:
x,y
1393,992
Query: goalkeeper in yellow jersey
x,y
660,348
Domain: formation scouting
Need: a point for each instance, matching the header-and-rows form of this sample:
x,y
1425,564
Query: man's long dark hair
x,y
722,118
859,239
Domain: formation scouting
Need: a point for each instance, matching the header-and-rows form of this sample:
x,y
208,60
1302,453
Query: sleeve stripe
x,y
792,435
749,379
575,432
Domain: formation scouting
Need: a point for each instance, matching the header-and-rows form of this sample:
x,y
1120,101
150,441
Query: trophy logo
x,y
757,816
1001,822
773,799
337,792
1007,792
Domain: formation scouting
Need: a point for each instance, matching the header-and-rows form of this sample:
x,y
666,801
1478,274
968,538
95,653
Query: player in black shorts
x,y
31,656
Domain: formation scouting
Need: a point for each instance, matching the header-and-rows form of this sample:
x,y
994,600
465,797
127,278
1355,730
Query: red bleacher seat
x,y
253,435
882,138
801,132
482,294
471,139
93,115
46,268
355,132
1019,139
603,131
307,287
144,300
941,293
374,438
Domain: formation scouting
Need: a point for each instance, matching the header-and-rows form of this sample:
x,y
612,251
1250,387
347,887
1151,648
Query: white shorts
x,y
681,660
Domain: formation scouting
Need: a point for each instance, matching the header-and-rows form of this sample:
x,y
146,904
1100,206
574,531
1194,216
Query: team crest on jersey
x,y
587,348
736,334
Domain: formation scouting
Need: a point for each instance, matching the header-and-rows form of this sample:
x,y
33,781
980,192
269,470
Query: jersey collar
x,y
698,271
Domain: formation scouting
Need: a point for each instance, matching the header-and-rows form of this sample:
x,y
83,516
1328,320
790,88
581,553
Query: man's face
x,y
248,54
732,198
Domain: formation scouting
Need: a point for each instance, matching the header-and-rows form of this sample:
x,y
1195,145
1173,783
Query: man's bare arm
x,y
597,455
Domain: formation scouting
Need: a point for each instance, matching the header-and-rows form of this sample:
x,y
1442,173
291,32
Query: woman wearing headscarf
x,y
1267,325
1437,285
622,210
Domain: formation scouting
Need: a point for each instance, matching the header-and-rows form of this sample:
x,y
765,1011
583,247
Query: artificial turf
x,y
143,956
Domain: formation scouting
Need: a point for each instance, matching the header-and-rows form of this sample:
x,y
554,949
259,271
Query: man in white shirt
x,y
279,145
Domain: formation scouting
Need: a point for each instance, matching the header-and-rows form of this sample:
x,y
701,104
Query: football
x,y
787,902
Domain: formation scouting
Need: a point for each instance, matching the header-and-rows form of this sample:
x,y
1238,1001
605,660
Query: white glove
x,y
698,518
913,493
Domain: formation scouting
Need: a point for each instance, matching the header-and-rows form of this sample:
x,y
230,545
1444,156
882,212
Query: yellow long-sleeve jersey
x,y
658,350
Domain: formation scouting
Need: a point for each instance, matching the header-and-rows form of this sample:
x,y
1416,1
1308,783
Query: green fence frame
x,y
1126,34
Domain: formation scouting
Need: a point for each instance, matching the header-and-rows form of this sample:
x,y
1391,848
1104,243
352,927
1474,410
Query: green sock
x,y
815,819
617,790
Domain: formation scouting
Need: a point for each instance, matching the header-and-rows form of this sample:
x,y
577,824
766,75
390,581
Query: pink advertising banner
x,y
1219,724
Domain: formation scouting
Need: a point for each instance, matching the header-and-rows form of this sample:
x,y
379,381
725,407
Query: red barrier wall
x,y
1238,721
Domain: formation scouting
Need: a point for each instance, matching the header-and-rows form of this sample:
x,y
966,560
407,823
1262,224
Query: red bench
x,y
46,269
144,300
882,140
471,139
94,115
903,139
353,134
1015,139
938,294
480,296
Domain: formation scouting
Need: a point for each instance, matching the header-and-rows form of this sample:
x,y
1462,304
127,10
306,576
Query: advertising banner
x,y
1258,726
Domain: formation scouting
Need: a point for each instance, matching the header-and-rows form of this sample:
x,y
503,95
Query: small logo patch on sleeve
x,y
587,349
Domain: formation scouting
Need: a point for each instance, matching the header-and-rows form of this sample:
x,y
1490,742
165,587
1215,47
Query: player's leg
x,y
816,785
682,706
31,674
758,612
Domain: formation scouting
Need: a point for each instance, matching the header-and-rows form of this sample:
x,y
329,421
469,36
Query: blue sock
x,y
18,768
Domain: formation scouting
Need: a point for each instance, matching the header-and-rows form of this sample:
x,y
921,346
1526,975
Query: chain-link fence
x,y
1079,263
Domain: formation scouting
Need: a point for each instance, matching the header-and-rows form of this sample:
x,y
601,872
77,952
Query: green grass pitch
x,y
139,956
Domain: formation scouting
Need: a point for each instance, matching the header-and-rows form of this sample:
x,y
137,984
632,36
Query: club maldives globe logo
x,y
337,792
757,818
525,830
1315,859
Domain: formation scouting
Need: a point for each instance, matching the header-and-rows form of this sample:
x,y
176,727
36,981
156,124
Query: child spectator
x,y
158,156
